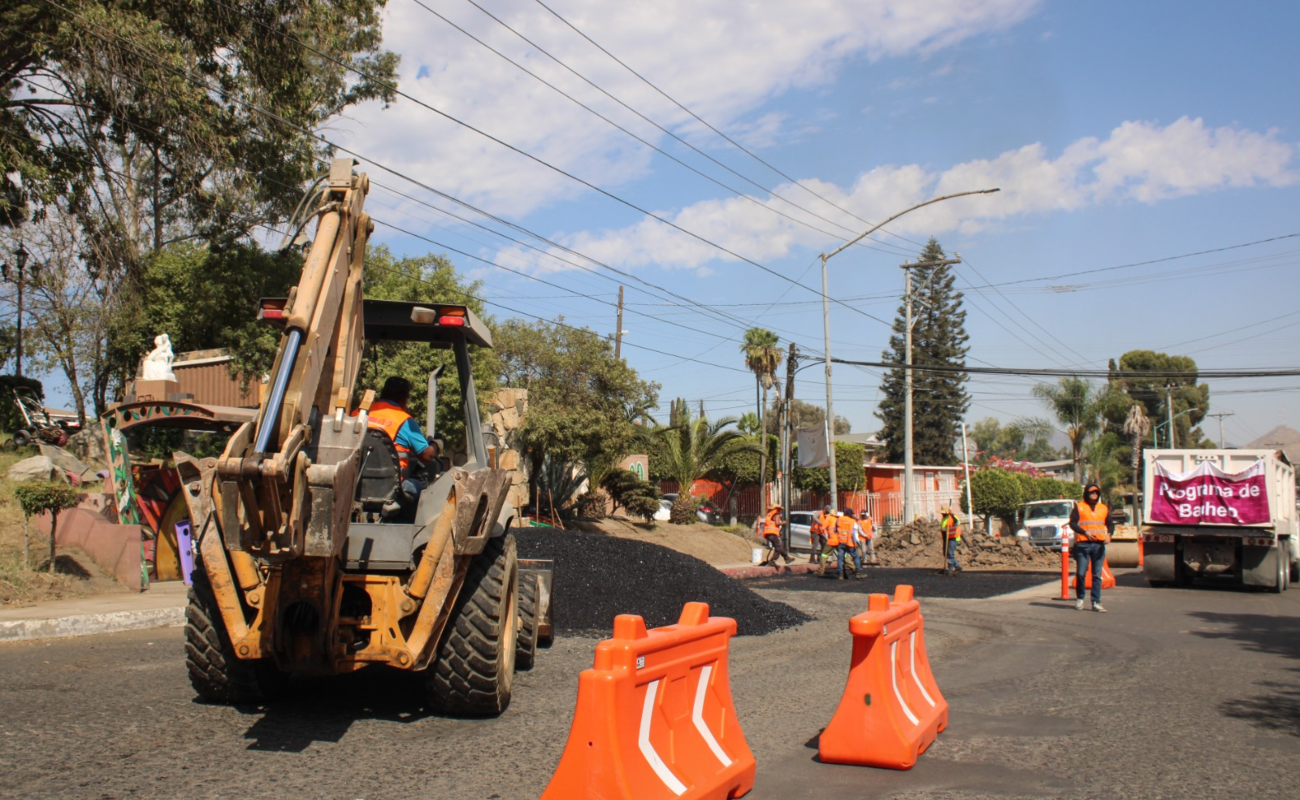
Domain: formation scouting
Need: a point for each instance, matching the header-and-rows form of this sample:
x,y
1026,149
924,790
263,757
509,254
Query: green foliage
x,y
690,448
849,475
582,402
995,493
1021,440
1191,401
559,484
11,419
939,399
426,279
1052,489
802,415
1074,403
640,498
38,497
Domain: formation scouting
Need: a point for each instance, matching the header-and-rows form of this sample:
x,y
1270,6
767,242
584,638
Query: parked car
x,y
1045,521
800,529
705,512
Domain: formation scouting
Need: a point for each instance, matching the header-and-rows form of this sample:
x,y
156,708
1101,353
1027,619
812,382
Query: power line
x,y
1205,374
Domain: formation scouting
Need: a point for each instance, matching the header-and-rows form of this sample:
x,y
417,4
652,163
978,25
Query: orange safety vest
x,y
843,532
951,527
1093,522
868,527
390,418
770,526
825,522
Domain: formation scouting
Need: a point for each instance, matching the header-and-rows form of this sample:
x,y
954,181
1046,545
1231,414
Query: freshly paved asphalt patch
x,y
926,582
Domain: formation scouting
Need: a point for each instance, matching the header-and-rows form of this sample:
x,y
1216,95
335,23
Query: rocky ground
x,y
920,545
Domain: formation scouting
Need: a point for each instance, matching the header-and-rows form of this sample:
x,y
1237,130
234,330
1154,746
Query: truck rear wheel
x,y
216,673
526,644
473,669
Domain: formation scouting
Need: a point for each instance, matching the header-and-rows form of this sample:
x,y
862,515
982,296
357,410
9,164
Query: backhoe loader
x,y
306,562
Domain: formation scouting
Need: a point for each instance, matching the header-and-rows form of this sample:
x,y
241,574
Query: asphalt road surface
x,y
1173,694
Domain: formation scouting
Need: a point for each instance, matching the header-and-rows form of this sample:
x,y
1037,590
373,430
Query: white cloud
x,y
1139,161
768,48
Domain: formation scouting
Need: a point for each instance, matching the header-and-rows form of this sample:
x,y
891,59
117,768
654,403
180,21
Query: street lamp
x,y
20,261
826,321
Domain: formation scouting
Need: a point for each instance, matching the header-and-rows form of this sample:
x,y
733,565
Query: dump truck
x,y
306,561
1225,515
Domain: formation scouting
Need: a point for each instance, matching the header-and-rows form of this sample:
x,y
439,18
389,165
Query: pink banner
x,y
1208,495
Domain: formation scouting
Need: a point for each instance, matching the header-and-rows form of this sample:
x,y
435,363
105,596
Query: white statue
x,y
158,364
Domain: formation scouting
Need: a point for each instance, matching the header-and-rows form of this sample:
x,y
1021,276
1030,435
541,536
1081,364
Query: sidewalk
x,y
742,571
162,605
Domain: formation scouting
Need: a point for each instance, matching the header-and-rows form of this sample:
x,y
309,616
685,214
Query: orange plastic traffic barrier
x,y
654,717
1107,579
891,709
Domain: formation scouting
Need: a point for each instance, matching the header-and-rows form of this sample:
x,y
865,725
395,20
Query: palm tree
x,y
691,447
1074,402
762,356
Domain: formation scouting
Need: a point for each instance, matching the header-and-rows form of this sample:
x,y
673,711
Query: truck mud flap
x,y
1259,566
544,570
1160,563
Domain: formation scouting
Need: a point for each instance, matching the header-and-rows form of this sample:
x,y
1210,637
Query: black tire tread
x,y
467,678
216,673
526,643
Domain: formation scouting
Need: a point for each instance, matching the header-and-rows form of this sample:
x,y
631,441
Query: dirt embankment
x,y
921,545
707,543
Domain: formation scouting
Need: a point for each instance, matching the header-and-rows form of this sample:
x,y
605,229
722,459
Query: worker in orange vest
x,y
950,526
390,415
847,534
1090,520
817,533
772,523
867,542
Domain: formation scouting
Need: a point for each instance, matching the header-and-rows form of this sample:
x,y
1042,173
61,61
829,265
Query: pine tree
x,y
939,399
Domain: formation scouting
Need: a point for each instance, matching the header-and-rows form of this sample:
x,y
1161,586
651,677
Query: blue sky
x,y
1126,138
1119,133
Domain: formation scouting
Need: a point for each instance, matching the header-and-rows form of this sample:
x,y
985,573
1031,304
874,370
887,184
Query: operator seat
x,y
380,476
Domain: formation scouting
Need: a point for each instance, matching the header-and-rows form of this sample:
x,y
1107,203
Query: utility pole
x,y
970,504
1169,411
618,337
1221,415
908,491
787,433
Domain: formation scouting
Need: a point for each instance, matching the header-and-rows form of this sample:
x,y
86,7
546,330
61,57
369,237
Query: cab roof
x,y
396,320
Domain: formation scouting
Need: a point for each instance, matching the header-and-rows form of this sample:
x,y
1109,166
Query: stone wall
x,y
506,414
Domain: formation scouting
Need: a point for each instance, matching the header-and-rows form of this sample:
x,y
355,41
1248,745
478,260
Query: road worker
x,y
1090,520
818,533
389,414
847,533
867,542
950,526
772,524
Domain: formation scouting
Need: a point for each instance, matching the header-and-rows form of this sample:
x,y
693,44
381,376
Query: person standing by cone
x,y
1090,520
772,523
950,527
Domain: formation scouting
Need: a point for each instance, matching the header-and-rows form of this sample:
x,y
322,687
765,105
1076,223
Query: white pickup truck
x,y
1228,515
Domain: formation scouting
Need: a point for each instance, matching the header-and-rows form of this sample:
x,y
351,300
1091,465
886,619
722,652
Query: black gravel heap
x,y
927,582
598,577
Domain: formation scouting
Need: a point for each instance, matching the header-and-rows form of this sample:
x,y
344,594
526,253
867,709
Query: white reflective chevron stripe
x,y
893,679
643,741
697,716
916,677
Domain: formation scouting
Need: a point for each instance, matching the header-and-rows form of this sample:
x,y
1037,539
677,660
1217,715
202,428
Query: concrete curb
x,y
87,624
741,573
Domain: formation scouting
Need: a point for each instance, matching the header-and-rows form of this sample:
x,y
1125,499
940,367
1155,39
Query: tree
x,y
426,279
1020,440
1190,401
849,474
153,122
639,497
939,399
690,448
1073,401
803,415
39,497
582,402
995,493
762,357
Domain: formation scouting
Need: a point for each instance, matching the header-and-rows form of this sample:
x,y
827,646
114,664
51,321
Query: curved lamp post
x,y
826,320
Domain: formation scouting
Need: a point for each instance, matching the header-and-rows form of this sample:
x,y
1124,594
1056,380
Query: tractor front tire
x,y
526,644
474,666
216,673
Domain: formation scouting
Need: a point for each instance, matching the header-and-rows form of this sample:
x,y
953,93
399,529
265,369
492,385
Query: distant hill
x,y
1284,438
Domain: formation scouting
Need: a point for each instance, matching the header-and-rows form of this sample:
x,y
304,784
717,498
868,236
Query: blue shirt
x,y
410,437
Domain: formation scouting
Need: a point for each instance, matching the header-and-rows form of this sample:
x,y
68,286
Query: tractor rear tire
x,y
216,673
473,670
526,644
22,438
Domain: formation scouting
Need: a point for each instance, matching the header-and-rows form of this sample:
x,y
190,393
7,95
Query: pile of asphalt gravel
x,y
598,577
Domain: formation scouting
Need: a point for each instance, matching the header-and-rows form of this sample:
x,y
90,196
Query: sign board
x,y
1209,495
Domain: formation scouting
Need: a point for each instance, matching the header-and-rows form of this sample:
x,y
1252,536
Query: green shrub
x,y
37,497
